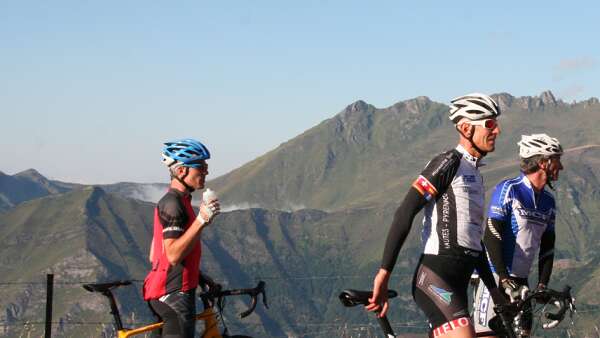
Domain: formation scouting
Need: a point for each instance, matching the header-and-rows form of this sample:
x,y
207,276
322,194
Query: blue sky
x,y
89,90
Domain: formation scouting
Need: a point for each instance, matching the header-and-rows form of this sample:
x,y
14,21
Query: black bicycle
x,y
508,319
551,305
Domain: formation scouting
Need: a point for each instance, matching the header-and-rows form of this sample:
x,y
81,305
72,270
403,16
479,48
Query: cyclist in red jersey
x,y
175,252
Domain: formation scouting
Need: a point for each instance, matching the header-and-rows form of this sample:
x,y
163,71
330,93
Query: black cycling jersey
x,y
173,218
451,190
172,214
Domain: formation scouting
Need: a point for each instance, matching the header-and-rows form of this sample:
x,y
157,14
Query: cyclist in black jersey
x,y
451,190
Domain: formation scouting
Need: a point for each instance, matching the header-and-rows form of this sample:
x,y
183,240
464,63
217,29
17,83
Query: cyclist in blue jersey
x,y
520,223
451,191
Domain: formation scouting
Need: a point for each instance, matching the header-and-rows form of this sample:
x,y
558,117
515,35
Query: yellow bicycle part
x,y
211,326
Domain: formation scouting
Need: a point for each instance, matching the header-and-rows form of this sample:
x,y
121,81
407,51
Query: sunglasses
x,y
201,165
487,123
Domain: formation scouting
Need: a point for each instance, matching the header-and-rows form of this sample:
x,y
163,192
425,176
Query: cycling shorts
x,y
440,289
178,312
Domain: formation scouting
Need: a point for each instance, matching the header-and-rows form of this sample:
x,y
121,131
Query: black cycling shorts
x,y
178,312
440,287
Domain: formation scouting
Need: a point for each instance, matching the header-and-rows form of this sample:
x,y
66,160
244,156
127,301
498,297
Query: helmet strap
x,y
483,153
470,139
548,175
182,180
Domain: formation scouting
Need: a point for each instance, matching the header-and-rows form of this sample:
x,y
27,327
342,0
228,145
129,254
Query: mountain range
x,y
321,206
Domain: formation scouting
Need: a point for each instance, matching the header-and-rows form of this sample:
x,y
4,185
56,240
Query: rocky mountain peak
x,y
418,104
504,100
528,103
548,98
357,106
31,174
354,121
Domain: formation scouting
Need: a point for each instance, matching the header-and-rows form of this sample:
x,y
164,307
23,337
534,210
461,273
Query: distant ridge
x,y
26,185
355,156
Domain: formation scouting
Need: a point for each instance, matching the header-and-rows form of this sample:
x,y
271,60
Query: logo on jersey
x,y
469,178
425,188
444,295
533,215
498,210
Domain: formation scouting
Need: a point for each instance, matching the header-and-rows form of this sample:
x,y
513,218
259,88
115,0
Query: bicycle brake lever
x,y
250,309
555,318
264,294
260,288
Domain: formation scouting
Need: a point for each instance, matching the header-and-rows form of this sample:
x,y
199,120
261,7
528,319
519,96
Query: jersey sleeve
x,y
400,227
500,202
433,181
552,220
172,217
437,175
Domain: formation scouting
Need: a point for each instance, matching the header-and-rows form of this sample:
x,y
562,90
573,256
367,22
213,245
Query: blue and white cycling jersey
x,y
526,215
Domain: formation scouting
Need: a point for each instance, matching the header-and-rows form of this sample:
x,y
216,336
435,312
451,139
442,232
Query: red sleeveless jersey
x,y
164,278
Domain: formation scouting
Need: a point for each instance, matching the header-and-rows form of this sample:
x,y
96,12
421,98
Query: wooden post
x,y
49,292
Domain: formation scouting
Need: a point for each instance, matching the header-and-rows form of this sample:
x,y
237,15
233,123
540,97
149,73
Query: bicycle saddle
x,y
103,287
351,297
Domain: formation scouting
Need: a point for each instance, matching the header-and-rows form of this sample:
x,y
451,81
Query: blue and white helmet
x,y
539,144
186,152
473,106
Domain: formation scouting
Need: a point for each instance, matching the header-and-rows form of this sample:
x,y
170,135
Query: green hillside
x,y
365,154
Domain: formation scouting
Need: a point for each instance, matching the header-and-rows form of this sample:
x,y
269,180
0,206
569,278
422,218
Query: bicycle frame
x,y
211,326
209,316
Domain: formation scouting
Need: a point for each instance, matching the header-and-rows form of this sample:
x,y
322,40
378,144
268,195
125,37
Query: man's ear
x,y
179,171
465,129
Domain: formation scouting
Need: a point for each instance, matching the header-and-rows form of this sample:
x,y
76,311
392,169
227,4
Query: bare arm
x,y
177,249
151,256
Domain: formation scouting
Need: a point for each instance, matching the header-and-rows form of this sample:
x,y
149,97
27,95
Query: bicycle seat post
x,y
385,326
114,310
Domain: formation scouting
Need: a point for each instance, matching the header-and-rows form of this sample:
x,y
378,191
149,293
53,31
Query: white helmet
x,y
539,144
473,106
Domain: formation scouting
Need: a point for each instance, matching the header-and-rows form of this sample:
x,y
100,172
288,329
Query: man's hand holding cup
x,y
209,207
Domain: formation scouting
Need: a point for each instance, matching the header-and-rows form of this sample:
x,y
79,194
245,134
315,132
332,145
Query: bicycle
x,y
509,315
212,295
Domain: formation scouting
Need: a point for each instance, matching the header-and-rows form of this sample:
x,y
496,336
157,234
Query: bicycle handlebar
x,y
252,292
561,299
